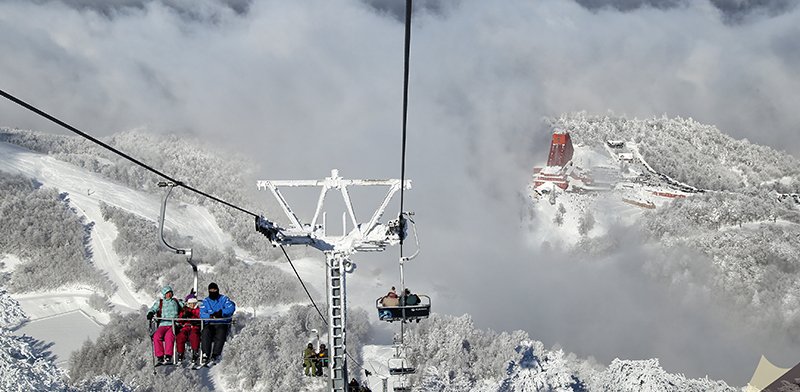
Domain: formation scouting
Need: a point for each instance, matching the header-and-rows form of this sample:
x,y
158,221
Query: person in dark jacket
x,y
409,299
353,386
213,308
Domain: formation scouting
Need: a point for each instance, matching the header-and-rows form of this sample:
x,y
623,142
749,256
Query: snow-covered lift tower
x,y
371,236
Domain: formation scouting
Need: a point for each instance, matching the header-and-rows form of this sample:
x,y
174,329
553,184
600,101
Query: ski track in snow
x,y
86,190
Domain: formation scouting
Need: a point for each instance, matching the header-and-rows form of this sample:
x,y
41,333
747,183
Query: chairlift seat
x,y
422,310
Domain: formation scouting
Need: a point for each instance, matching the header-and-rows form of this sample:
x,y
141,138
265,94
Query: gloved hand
x,y
150,315
218,314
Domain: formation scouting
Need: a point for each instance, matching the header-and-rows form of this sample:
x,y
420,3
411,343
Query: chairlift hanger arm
x,y
405,259
188,251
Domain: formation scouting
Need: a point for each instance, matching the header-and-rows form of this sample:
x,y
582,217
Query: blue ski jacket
x,y
209,306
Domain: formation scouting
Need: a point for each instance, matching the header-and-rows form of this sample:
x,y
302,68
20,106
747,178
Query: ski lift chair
x,y
405,312
402,387
400,367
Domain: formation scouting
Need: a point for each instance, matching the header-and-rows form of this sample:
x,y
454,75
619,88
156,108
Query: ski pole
x,y
152,353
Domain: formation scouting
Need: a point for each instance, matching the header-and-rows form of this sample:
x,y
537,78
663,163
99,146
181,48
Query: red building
x,y
560,149
560,154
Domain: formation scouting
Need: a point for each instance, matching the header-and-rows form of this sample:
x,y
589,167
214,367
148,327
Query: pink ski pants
x,y
165,333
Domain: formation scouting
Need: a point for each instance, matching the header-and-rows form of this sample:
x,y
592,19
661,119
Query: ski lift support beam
x,y
372,236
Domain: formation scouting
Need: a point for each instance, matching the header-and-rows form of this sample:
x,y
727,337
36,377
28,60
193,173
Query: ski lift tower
x,y
371,236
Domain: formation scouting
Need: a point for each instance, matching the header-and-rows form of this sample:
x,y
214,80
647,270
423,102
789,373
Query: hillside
x,y
273,318
691,152
736,240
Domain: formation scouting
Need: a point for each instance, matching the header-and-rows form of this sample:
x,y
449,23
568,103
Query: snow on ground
x,y
607,208
87,189
376,360
63,318
106,260
66,330
40,305
8,262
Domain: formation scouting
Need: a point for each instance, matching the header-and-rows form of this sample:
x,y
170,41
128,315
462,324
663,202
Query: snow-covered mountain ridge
x,y
737,241
689,151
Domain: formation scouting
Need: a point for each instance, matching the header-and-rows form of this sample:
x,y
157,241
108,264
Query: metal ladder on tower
x,y
336,316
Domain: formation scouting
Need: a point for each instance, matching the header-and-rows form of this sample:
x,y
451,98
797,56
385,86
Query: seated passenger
x,y
390,301
189,330
164,310
410,299
322,359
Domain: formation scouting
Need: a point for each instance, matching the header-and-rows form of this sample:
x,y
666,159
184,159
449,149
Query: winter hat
x,y
213,286
190,296
192,300
166,290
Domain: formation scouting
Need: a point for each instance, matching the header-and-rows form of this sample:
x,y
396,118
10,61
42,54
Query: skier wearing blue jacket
x,y
215,306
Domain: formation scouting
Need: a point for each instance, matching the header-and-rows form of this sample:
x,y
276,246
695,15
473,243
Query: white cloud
x,y
304,87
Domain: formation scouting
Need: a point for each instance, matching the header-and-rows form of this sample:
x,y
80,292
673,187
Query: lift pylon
x,y
370,236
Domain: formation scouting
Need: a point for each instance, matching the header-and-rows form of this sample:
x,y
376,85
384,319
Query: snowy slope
x,y
87,190
51,313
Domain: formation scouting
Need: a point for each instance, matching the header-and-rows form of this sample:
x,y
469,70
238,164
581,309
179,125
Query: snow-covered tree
x,y
536,369
586,222
41,228
23,369
11,313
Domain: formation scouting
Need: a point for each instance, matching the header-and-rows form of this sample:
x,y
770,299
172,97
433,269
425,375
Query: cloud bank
x,y
303,87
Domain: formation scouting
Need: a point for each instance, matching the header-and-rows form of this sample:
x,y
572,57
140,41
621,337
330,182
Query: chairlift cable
x,y
118,152
406,58
405,113
304,285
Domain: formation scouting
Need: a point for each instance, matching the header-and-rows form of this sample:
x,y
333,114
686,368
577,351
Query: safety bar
x,y
202,320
